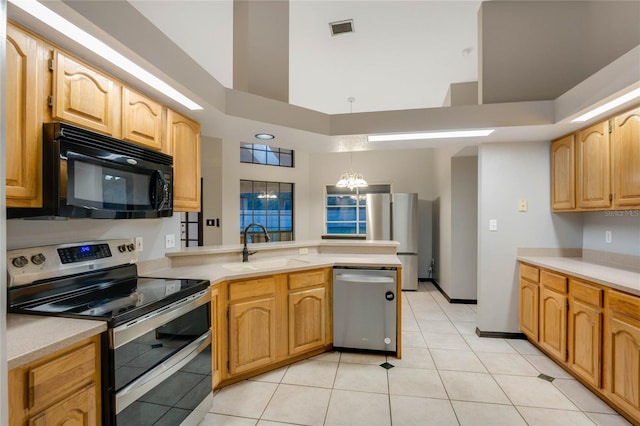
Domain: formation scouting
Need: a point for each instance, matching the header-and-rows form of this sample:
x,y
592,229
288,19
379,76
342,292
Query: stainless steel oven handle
x,y
127,332
151,379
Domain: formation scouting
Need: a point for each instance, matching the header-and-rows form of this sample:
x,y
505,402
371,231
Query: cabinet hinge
x,y
50,64
610,196
50,100
610,128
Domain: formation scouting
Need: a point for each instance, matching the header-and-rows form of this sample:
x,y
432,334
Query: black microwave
x,y
90,175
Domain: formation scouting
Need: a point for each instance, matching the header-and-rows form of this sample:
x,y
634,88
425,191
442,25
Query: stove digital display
x,y
84,253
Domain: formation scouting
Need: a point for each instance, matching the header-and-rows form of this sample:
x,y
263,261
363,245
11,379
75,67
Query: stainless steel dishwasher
x,y
364,309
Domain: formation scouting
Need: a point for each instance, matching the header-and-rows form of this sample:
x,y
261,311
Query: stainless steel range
x,y
157,350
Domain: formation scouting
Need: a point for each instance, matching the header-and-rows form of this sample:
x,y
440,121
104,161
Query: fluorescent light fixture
x,y
58,23
430,135
608,106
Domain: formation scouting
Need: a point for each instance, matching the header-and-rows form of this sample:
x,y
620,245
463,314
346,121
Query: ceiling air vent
x,y
341,27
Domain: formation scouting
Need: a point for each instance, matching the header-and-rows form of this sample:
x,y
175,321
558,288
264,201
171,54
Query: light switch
x,y
522,205
493,225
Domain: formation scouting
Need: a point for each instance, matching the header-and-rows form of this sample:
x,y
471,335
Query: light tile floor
x,y
447,376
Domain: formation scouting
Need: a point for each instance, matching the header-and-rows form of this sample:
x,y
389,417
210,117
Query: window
x,y
346,210
191,229
256,153
269,204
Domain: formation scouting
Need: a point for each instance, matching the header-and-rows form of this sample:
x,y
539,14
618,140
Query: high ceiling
x,y
534,72
401,55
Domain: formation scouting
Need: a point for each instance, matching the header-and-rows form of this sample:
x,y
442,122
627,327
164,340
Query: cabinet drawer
x,y
252,288
529,273
307,279
553,281
586,292
57,378
624,303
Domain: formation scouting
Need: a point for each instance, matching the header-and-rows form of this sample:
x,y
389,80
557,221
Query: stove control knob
x,y
20,262
38,259
131,247
122,248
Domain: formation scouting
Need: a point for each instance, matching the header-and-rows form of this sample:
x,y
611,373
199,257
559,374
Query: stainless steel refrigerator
x,y
395,217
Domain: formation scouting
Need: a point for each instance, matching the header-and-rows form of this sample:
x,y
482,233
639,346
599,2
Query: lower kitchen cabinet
x,y
309,311
269,321
591,330
59,389
529,296
553,314
217,342
252,332
622,351
585,331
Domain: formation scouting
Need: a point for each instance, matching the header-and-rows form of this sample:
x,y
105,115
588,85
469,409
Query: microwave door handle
x,y
159,190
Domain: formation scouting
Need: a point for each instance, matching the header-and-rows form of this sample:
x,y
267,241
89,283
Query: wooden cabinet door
x,y
563,174
141,119
623,362
216,341
83,96
626,160
529,296
252,334
307,319
183,137
593,167
24,101
77,410
553,322
585,331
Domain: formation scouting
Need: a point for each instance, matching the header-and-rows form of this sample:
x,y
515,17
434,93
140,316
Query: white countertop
x,y
30,337
616,278
216,272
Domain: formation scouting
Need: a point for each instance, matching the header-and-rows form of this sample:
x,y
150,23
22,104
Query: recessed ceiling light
x,y
608,106
430,135
264,136
60,24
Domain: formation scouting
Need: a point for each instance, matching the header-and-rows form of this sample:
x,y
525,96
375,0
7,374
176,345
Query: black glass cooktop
x,y
116,295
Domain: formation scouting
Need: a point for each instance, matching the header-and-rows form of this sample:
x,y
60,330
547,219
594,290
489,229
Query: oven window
x,y
173,400
149,350
106,186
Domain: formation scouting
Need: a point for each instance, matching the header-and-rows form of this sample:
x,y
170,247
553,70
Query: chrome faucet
x,y
245,252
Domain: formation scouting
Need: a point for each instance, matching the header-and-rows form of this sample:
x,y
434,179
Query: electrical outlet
x,y
303,250
493,225
522,205
607,237
169,241
139,244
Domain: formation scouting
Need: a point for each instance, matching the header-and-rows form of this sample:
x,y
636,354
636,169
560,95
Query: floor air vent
x,y
341,27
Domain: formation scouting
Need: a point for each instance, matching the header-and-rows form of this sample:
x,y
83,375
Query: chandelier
x,y
351,180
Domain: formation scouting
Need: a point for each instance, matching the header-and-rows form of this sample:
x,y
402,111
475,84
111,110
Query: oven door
x,y
161,364
98,188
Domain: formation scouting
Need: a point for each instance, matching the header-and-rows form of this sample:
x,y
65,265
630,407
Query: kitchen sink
x,y
261,265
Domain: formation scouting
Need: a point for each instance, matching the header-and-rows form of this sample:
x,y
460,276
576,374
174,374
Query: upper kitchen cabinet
x,y
563,174
626,160
593,167
141,119
27,87
84,96
183,137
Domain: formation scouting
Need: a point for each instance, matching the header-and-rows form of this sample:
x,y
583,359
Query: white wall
x,y
464,229
624,227
506,174
27,233
233,171
405,170
211,189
